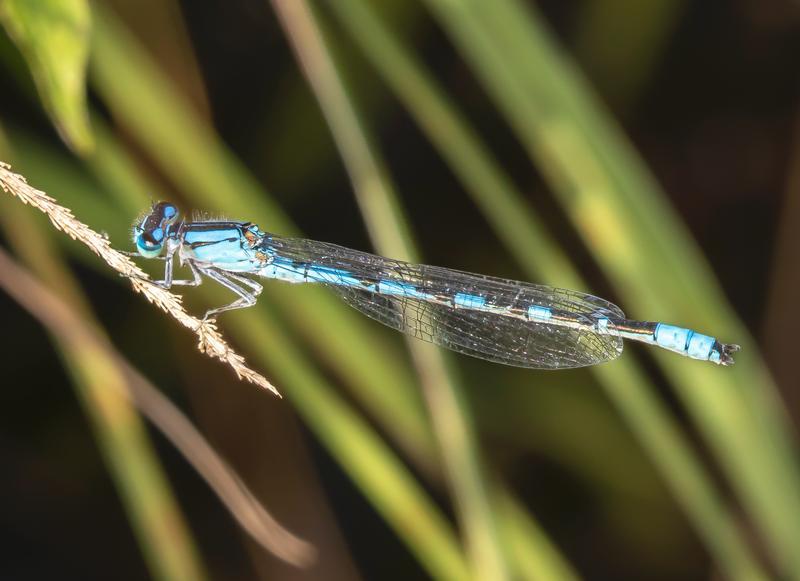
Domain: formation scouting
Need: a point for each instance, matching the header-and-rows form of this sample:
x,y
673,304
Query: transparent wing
x,y
485,334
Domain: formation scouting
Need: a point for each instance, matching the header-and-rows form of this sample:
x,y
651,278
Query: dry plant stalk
x,y
65,324
210,341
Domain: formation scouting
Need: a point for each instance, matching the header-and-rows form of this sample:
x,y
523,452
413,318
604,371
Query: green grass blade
x,y
369,462
643,248
523,233
53,36
536,556
383,214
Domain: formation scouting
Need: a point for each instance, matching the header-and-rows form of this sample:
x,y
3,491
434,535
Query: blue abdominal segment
x,y
400,289
469,301
337,276
685,342
537,313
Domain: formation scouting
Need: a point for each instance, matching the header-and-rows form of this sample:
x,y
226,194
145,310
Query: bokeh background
x,y
643,151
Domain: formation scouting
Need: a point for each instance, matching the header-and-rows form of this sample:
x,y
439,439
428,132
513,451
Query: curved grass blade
x,y
155,517
642,246
53,36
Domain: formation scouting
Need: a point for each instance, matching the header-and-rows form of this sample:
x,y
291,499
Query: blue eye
x,y
154,228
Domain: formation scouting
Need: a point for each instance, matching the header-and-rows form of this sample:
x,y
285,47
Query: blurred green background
x,y
643,151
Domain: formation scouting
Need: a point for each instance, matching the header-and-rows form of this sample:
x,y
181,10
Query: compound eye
x,y
150,233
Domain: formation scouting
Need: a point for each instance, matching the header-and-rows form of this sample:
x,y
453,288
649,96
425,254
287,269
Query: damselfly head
x,y
152,230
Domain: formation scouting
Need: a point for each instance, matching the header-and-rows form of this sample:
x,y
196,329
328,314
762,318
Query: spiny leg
x,y
229,281
167,282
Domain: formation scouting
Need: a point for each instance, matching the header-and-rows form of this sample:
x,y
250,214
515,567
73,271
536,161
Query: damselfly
x,y
505,321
